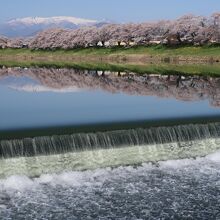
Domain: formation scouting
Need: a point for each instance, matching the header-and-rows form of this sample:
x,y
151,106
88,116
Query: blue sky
x,y
114,10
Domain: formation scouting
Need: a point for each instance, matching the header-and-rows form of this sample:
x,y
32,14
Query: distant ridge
x,y
50,20
29,26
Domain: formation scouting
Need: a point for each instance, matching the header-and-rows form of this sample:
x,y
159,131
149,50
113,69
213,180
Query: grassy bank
x,y
151,60
141,68
139,53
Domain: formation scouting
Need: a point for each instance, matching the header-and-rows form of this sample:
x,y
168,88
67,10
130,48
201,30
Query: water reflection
x,y
41,97
185,88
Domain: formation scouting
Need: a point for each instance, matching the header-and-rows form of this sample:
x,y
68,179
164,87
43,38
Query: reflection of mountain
x,y
39,88
27,84
186,88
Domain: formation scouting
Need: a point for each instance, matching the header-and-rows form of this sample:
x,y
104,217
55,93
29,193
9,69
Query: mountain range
x,y
29,26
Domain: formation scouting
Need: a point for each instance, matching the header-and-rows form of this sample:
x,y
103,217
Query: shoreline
x,y
159,68
140,54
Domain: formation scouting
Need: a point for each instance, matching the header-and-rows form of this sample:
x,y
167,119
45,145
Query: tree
x,y
188,29
15,43
104,34
3,42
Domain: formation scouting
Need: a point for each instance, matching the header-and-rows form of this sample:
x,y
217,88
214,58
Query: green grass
x,y
158,50
69,59
162,68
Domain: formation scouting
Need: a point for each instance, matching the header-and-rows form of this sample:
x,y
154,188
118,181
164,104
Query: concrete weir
x,y
81,151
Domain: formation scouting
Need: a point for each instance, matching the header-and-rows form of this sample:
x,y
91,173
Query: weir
x,y
58,144
53,154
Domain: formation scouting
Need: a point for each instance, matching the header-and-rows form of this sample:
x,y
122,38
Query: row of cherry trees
x,y
189,29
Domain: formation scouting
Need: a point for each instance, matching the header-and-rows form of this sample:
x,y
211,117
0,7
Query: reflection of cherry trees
x,y
187,88
188,29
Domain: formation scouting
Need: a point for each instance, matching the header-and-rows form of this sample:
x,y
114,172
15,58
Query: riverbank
x,y
155,53
162,68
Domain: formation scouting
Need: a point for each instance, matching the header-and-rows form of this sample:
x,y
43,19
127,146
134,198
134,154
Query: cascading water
x,y
110,139
40,155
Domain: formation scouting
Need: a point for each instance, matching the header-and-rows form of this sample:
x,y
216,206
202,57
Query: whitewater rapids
x,y
173,189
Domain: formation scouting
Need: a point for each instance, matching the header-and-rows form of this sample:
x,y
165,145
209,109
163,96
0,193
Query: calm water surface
x,y
27,102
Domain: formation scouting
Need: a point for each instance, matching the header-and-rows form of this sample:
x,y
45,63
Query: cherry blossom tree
x,y
188,29
3,42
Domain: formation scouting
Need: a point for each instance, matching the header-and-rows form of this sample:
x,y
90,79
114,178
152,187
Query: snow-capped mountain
x,y
29,26
50,20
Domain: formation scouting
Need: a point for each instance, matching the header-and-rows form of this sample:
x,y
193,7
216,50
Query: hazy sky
x,y
114,10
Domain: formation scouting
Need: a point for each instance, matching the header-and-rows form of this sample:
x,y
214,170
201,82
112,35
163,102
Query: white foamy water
x,y
111,157
175,189
214,157
98,176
